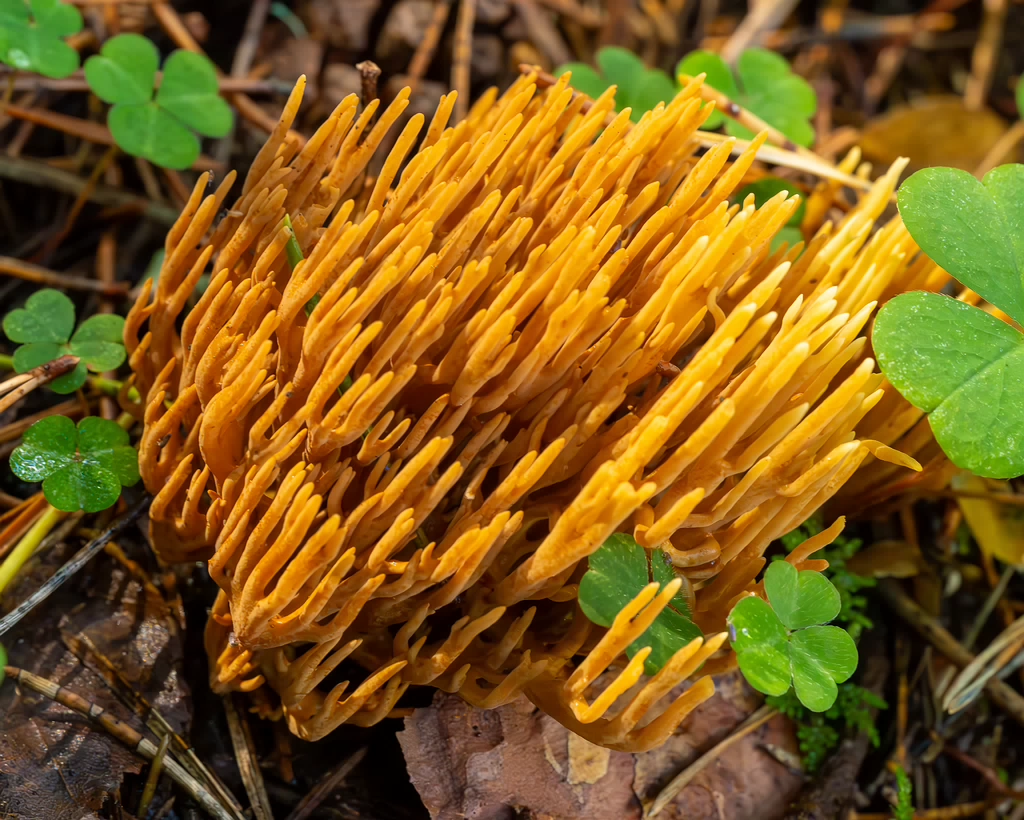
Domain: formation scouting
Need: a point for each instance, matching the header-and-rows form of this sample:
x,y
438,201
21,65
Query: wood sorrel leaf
x,y
98,342
783,641
962,366
584,79
974,230
800,598
125,69
761,643
190,91
618,571
48,316
822,657
81,468
719,77
622,68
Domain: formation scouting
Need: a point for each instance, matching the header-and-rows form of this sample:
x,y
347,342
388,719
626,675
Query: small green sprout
x,y
158,128
765,189
904,808
83,467
44,328
786,641
956,362
765,85
638,87
31,33
818,733
618,571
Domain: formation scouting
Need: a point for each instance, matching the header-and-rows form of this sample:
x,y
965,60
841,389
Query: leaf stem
x,y
28,544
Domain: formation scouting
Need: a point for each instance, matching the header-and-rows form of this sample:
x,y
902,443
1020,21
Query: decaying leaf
x,y
998,528
516,761
888,559
54,764
933,131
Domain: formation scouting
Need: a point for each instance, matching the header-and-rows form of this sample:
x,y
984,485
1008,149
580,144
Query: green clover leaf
x,y
31,33
44,330
637,87
160,129
617,572
783,641
765,85
952,360
81,468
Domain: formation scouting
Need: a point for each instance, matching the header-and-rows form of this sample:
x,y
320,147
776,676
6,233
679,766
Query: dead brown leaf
x,y
934,131
515,761
54,763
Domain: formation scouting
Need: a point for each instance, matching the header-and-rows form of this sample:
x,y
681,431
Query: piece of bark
x,y
516,762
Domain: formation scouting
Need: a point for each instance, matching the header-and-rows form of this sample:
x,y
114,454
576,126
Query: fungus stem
x,y
28,544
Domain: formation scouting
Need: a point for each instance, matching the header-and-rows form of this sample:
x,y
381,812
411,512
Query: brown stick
x,y
309,804
87,130
463,55
120,730
42,276
428,45
1000,693
21,386
77,82
35,172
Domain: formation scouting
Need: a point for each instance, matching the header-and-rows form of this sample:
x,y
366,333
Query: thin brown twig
x,y
120,730
334,778
1001,694
35,172
424,53
77,82
10,266
369,74
763,17
986,49
462,56
680,781
76,208
18,387
990,776
245,757
945,813
87,130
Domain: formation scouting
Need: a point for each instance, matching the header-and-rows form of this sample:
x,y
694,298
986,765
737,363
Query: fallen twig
x,y
120,730
334,778
420,61
16,388
10,266
79,560
462,56
248,765
1000,693
680,781
35,172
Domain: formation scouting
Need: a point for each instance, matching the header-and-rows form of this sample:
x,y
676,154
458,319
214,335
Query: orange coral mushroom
x,y
401,452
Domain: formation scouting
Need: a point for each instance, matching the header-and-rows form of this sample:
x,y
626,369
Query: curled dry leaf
x,y
468,762
54,764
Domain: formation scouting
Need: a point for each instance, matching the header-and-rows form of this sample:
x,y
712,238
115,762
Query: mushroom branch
x,y
398,443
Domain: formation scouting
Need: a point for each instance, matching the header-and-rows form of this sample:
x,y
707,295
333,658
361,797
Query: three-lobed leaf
x,y
638,87
617,572
952,360
765,85
44,330
31,36
160,128
785,641
81,468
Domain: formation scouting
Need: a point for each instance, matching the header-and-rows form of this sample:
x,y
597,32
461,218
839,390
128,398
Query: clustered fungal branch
x,y
555,327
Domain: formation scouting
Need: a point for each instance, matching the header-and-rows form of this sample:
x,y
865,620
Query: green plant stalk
x,y
28,544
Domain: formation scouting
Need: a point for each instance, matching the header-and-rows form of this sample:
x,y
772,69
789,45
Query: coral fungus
x,y
529,330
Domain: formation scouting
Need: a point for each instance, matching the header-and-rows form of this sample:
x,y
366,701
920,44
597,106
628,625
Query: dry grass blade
x,y
248,764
